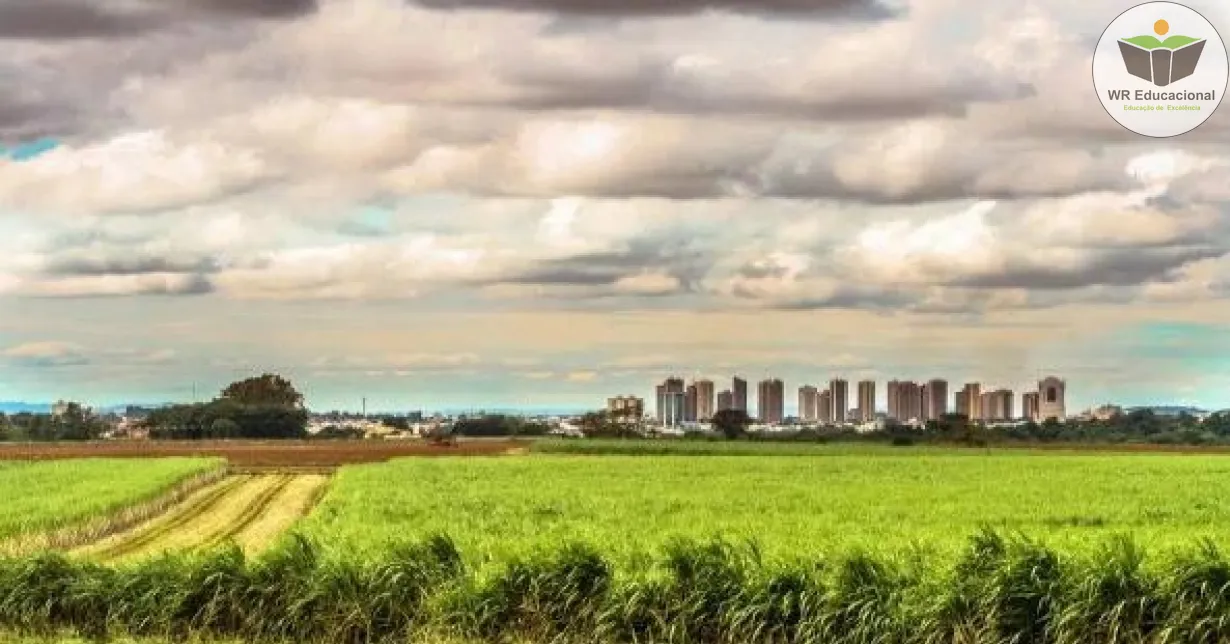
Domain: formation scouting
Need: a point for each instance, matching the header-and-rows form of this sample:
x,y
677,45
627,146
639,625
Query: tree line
x,y
76,423
1139,426
264,407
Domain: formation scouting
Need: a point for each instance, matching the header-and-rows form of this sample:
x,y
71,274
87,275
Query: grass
x,y
250,510
998,590
842,544
840,499
42,497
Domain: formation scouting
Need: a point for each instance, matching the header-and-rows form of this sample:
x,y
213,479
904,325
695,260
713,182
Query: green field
x,y
709,543
46,495
836,500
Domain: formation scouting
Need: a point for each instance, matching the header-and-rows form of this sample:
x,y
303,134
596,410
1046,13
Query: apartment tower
x,y
671,402
704,399
809,403
866,401
841,399
739,389
1029,405
771,401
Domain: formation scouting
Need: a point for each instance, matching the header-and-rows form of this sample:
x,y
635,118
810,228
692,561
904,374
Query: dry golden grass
x,y
294,501
249,509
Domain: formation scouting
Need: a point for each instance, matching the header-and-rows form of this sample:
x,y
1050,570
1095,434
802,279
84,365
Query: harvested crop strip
x,y
64,501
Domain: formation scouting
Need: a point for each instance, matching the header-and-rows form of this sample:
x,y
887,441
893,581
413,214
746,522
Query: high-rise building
x,y
969,401
936,399
1029,406
1005,406
866,401
997,405
725,400
988,407
1051,391
906,397
825,406
671,402
690,404
630,407
704,399
841,399
771,403
809,403
739,389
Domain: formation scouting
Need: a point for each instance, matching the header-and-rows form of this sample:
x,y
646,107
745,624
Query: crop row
x,y
999,590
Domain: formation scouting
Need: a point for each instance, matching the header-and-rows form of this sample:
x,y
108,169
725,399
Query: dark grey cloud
x,y
56,19
24,118
853,9
658,86
70,19
687,264
129,265
1116,267
860,299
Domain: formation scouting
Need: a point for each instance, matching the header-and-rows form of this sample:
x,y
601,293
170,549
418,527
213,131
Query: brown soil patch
x,y
261,454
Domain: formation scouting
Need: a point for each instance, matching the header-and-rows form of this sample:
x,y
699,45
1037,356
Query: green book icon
x,y
1161,62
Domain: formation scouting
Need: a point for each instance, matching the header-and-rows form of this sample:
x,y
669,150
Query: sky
x,y
541,203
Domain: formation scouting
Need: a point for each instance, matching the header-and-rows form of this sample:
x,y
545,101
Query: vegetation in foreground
x,y
842,498
998,590
51,495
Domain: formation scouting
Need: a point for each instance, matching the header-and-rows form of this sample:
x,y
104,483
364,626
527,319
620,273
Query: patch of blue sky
x,y
30,150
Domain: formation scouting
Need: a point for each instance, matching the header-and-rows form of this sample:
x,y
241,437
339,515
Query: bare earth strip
x,y
250,510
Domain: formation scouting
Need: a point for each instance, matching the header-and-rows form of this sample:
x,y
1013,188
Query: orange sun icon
x,y
1161,27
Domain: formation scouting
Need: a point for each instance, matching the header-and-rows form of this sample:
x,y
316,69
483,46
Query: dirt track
x,y
261,454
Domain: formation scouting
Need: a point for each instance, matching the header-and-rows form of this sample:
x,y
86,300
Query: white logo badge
x,y
1160,69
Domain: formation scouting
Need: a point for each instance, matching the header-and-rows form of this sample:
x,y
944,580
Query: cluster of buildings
x,y
679,403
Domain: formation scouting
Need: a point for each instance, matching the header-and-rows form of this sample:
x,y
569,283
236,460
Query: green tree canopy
x,y
733,423
268,390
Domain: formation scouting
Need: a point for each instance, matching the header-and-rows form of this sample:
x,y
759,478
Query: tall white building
x,y
1051,392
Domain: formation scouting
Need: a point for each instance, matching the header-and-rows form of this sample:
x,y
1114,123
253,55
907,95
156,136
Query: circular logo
x,y
1160,69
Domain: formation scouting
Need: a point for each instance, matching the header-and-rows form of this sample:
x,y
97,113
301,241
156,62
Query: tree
x,y
267,390
733,423
224,428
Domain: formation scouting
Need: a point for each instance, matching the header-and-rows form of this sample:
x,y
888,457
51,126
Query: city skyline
x,y
531,204
718,386
904,400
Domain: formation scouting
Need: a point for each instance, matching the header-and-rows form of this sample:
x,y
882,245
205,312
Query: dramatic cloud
x,y
521,198
68,19
827,8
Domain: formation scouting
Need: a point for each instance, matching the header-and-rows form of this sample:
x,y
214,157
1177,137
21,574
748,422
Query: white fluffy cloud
x,y
147,171
943,162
